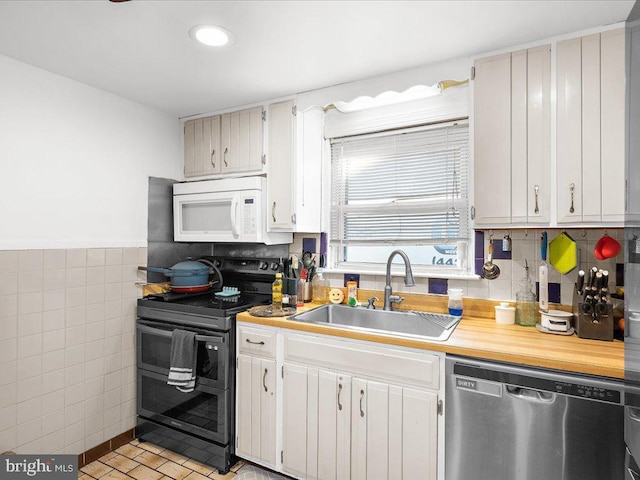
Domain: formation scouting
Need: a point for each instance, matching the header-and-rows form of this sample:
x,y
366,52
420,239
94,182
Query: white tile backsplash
x,y
67,329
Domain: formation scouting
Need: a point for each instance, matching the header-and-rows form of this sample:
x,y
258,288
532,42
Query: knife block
x,y
596,326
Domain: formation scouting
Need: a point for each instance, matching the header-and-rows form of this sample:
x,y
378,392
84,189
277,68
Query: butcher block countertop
x,y
477,335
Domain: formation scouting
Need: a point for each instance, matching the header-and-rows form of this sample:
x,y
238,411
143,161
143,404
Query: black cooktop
x,y
206,303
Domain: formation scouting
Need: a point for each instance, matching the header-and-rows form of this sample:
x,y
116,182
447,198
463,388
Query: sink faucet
x,y
408,279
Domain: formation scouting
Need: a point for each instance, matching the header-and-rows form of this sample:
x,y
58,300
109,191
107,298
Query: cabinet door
x,y
280,186
590,130
633,139
241,142
612,62
394,432
569,130
189,147
538,134
294,434
256,408
316,435
211,145
251,131
591,170
492,140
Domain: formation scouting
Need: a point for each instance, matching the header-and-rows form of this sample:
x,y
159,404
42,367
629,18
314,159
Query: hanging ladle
x,y
490,270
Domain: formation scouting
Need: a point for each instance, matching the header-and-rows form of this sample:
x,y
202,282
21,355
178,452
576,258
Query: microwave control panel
x,y
249,226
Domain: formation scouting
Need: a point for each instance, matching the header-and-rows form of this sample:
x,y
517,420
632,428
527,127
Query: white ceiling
x,y
141,49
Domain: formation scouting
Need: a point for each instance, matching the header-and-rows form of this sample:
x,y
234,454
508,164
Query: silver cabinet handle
x,y
213,152
536,189
339,392
224,156
254,343
273,212
264,380
361,398
572,187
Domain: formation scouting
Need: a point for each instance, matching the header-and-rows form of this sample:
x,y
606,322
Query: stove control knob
x,y
274,266
263,265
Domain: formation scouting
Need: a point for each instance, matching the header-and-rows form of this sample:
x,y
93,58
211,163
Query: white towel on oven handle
x,y
182,369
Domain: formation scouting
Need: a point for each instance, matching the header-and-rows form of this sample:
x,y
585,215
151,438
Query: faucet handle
x,y
396,299
371,301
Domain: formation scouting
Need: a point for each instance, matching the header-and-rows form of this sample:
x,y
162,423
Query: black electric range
x,y
199,424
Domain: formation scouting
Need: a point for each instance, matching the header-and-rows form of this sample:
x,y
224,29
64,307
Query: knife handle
x,y
543,246
580,284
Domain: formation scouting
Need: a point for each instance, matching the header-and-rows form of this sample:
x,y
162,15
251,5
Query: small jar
x,y
455,301
505,314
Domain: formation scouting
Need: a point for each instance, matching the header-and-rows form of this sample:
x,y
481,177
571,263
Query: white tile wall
x,y
67,347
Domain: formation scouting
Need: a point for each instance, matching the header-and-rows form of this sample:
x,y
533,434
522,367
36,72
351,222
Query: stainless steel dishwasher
x,y
505,422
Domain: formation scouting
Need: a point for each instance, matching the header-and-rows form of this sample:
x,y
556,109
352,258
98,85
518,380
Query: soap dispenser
x,y
526,301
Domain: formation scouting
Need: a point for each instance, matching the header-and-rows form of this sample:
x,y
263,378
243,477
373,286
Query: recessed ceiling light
x,y
211,35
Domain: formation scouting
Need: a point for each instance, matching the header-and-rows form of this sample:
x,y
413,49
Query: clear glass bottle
x,y
319,288
276,291
526,301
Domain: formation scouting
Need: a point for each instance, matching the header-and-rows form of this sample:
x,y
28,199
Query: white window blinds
x,y
401,187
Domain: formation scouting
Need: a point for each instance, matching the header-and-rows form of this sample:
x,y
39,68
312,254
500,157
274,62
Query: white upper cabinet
x,y
512,138
633,127
228,143
294,168
590,128
242,140
202,146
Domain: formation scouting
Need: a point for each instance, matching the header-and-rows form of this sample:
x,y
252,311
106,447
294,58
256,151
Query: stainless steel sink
x,y
425,326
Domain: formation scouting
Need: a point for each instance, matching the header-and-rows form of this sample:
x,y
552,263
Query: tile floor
x,y
145,461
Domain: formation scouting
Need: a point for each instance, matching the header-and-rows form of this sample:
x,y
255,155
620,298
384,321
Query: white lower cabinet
x,y
256,387
348,409
316,423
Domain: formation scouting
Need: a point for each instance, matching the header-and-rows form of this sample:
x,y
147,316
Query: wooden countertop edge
x,y
482,338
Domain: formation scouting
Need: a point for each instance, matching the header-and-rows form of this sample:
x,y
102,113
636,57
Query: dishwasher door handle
x,y
530,394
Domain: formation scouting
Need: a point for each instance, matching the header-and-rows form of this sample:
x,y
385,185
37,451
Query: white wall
x,y
74,169
75,162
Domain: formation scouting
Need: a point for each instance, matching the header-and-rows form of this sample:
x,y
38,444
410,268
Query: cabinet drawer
x,y
395,365
257,341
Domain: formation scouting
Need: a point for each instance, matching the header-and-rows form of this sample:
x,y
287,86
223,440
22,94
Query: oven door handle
x,y
147,328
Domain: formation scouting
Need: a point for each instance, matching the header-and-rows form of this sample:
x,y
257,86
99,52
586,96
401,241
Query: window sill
x,y
398,271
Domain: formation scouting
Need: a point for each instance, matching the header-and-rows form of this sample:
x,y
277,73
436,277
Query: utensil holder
x,y
594,322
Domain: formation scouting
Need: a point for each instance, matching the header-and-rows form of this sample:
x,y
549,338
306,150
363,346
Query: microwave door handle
x,y
234,216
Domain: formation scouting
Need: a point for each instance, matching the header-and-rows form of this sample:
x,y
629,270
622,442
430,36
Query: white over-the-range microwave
x,y
225,210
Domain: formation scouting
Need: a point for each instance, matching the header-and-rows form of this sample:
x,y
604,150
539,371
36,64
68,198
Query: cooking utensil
x,y
563,253
186,274
606,247
544,275
490,270
190,276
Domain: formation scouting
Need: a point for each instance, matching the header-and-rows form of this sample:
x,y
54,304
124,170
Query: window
x,y
403,189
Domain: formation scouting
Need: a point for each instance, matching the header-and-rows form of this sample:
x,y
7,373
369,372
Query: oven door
x,y
203,412
154,352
